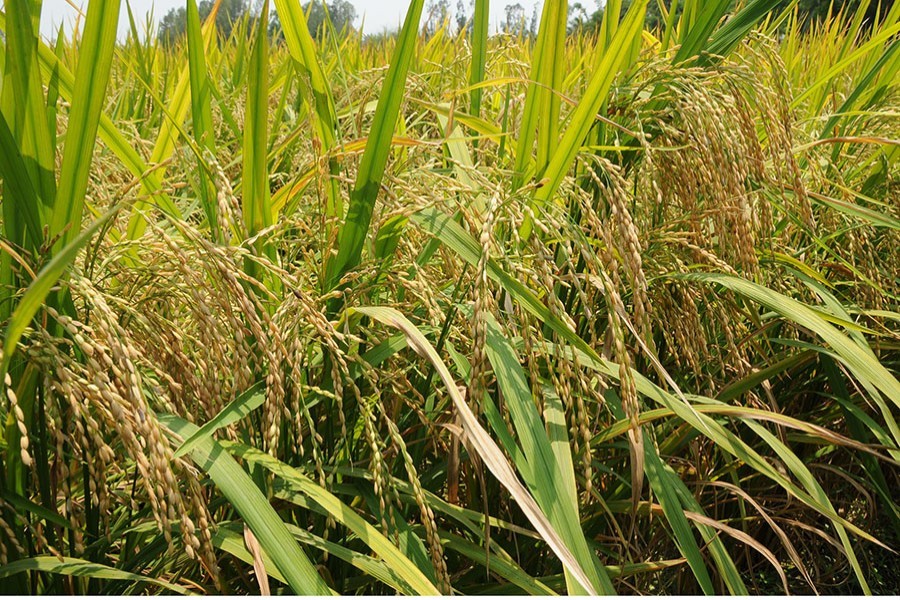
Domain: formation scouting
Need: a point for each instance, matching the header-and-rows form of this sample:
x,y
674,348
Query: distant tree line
x,y
174,24
341,12
816,10
589,15
516,20
810,11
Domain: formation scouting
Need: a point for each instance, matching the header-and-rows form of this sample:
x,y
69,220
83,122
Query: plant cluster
x,y
609,311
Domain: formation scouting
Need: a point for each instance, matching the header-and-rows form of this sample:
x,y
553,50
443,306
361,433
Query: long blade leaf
x,y
250,503
98,46
374,161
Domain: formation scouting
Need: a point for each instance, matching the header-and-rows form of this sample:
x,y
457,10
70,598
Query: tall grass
x,y
598,312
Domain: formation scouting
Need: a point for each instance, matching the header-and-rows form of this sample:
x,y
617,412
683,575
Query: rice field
x,y
600,311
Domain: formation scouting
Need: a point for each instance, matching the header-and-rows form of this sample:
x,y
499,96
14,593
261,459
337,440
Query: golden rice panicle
x,y
568,385
481,307
232,317
122,391
228,207
531,357
63,471
204,525
110,385
80,426
42,544
710,174
564,372
735,357
772,86
679,320
13,539
380,472
19,417
386,492
571,385
628,241
544,263
432,535
296,415
585,396
529,328
300,312
189,334
627,388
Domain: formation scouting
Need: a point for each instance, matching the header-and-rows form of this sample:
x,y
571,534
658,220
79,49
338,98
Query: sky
x,y
378,15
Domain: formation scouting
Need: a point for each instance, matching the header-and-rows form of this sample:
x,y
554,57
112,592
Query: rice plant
x,y
593,311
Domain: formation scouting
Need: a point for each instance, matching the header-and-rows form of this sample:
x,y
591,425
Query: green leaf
x,y
451,233
201,112
166,140
24,505
303,50
253,507
487,449
480,20
661,482
20,201
697,24
456,145
98,46
585,113
729,35
256,200
388,237
723,438
840,66
805,477
233,543
374,539
499,565
540,119
862,363
355,229
236,410
747,383
469,250
77,567
38,290
873,217
112,137
23,104
548,455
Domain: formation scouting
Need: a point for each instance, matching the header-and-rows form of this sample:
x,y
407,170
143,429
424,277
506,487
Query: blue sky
x,y
379,14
